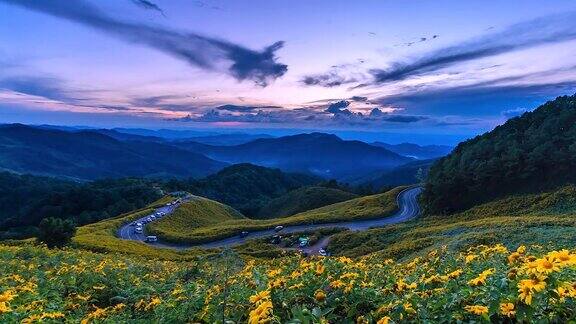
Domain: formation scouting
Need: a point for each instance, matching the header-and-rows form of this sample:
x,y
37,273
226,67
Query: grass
x,y
101,237
197,213
303,199
546,218
368,207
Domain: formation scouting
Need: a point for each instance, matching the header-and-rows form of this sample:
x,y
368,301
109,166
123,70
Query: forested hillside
x,y
245,187
529,153
26,200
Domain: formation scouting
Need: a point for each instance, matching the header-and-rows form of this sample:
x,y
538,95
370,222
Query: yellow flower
x,y
259,297
153,303
320,295
481,279
261,314
513,257
547,265
521,249
383,320
477,309
507,309
469,258
7,296
455,274
99,287
4,308
320,269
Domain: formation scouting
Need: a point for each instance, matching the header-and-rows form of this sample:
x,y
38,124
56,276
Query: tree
x,y
56,231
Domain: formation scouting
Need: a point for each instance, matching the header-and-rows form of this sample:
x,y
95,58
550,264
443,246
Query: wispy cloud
x,y
148,5
545,30
201,51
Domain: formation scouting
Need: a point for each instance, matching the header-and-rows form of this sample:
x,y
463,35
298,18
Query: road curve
x,y
407,200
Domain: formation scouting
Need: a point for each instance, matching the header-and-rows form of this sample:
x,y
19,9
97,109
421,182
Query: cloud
x,y
148,5
359,98
404,119
200,51
338,107
329,80
46,87
511,113
545,30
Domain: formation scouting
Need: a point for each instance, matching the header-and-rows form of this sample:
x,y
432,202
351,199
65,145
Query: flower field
x,y
484,283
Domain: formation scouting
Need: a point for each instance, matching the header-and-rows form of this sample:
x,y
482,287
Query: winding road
x,y
407,200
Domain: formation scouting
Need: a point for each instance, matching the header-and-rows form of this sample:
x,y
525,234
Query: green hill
x,y
531,153
197,213
200,231
545,218
303,199
245,187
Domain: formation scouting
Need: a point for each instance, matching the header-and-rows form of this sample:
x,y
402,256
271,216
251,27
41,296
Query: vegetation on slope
x,y
197,213
375,206
546,218
245,187
25,200
303,199
529,153
101,237
482,284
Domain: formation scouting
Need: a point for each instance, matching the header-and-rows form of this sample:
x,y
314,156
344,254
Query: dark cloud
x,y
404,118
236,108
511,113
328,80
486,98
148,5
338,107
46,87
359,98
551,29
204,52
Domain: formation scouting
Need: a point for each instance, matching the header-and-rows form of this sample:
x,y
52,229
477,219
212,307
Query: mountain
x,y
227,139
416,151
87,155
321,154
530,153
303,199
245,187
409,173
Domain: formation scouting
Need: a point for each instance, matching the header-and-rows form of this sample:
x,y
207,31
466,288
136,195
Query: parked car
x,y
151,238
276,239
138,224
133,224
303,241
322,252
138,230
278,228
244,234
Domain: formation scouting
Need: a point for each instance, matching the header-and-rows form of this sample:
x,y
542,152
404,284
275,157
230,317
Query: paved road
x,y
407,200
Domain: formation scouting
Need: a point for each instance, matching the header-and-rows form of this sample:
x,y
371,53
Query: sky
x,y
424,69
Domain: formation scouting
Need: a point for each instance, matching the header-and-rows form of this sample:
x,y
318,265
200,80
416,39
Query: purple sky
x,y
424,67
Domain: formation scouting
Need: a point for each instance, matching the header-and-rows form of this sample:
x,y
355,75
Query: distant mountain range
x,y
321,154
88,155
416,151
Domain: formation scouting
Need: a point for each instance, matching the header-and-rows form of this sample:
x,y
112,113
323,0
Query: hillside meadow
x,y
480,284
544,218
368,207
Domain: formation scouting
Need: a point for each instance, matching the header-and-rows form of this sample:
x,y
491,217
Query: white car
x,y
138,230
278,228
151,238
322,252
